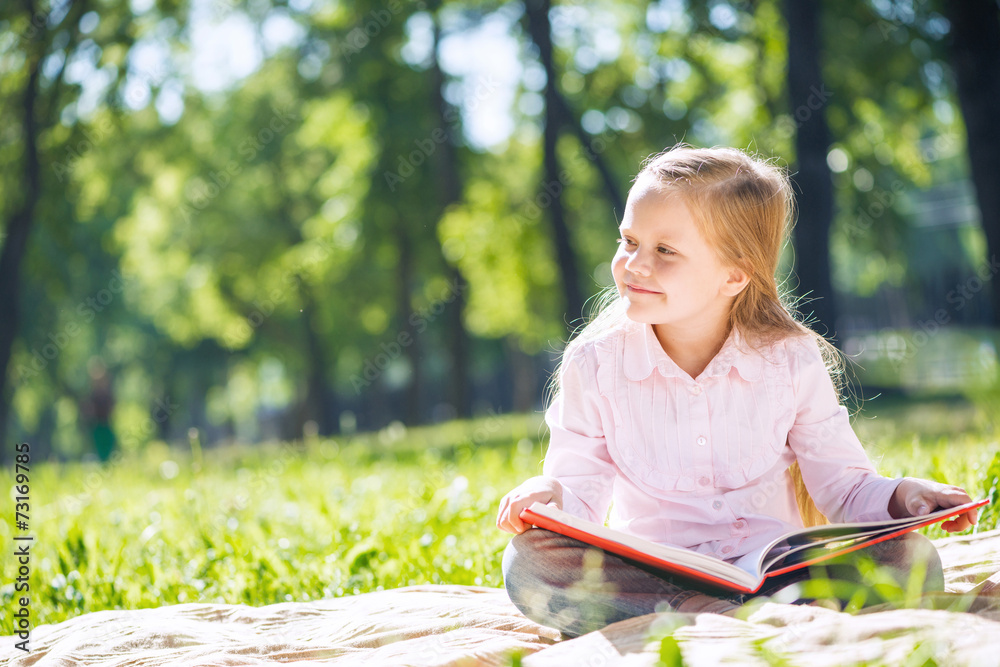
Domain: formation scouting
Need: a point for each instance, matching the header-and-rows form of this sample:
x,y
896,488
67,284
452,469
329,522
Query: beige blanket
x,y
458,625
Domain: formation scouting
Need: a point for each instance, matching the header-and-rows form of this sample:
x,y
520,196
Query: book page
x,y
813,542
809,551
750,561
781,552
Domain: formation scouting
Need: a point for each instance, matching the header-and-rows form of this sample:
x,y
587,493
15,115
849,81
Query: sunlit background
x,y
229,221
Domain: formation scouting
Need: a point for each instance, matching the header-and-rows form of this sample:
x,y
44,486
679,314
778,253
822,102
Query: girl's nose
x,y
637,263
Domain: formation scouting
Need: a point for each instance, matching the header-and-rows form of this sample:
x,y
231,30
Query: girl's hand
x,y
916,497
541,489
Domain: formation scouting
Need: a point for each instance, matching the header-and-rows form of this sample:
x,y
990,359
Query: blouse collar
x,y
643,353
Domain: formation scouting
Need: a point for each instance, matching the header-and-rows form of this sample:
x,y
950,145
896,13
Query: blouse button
x,y
717,505
740,523
704,481
696,389
701,440
726,549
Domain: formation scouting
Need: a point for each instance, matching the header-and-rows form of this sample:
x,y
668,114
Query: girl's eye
x,y
630,243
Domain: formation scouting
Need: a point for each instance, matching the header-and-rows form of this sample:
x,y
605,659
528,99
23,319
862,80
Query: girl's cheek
x,y
618,264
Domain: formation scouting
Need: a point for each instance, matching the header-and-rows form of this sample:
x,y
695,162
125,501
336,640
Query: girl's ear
x,y
737,281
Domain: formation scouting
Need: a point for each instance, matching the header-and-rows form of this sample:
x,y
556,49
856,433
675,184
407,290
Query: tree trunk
x,y
18,229
815,186
451,192
320,399
550,197
522,376
975,56
404,276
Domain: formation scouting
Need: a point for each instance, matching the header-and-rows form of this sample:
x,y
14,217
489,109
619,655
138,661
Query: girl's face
x,y
665,270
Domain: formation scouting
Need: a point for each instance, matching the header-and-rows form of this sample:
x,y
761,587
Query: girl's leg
x,y
873,575
563,583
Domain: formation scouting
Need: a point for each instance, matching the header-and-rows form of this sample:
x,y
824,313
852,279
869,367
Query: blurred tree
x,y
974,43
239,239
451,193
61,68
896,146
540,29
420,151
807,96
34,110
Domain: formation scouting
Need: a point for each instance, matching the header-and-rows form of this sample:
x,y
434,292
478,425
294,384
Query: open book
x,y
746,574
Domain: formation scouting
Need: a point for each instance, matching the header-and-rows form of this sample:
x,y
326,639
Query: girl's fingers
x,y
509,527
940,498
967,520
508,519
502,513
922,504
957,524
515,521
953,497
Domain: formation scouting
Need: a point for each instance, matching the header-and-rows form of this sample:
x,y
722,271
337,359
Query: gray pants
x,y
563,583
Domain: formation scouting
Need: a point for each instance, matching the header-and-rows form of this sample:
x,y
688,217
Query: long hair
x,y
745,209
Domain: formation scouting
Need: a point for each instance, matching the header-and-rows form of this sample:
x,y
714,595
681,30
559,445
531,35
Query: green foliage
x,y
523,282
771,656
670,653
661,634
990,515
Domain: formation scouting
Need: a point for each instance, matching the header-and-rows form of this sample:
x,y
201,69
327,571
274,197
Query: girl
x,y
685,403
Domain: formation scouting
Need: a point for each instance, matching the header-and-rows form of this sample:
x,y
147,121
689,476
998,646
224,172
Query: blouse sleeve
x,y
578,455
835,468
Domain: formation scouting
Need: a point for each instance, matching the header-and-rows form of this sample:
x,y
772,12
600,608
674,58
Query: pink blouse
x,y
703,463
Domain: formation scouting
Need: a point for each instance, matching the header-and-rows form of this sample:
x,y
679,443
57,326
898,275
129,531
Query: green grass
x,y
300,521
272,523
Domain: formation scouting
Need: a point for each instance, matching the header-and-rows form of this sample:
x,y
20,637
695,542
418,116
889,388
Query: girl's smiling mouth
x,y
636,288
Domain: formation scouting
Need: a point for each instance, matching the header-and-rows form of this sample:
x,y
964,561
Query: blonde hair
x,y
745,208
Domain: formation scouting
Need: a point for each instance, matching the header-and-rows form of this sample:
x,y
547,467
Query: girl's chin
x,y
641,315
